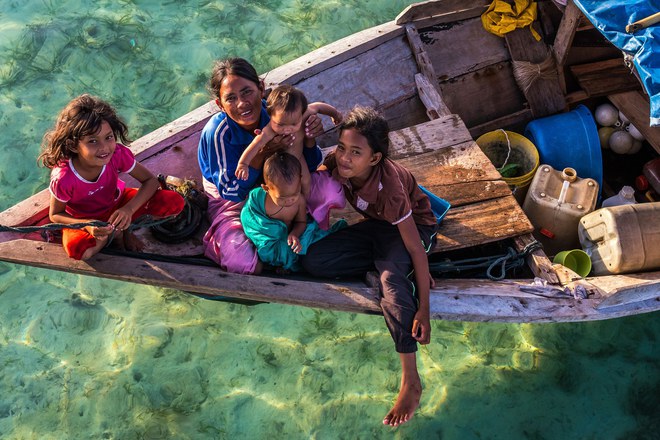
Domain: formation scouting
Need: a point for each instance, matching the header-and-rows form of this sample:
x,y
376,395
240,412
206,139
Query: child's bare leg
x,y
100,244
409,394
306,180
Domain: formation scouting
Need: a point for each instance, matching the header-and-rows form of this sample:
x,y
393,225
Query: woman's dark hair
x,y
370,124
231,66
282,166
286,98
81,117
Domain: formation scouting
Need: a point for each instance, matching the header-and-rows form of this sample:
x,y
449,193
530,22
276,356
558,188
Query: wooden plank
x,y
545,95
353,297
461,48
426,137
421,56
436,9
605,77
484,95
428,94
537,260
635,106
333,54
481,223
565,33
517,118
447,166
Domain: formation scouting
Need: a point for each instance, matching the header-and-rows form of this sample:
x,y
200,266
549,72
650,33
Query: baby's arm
x,y
57,214
326,109
421,329
313,125
123,216
258,143
299,225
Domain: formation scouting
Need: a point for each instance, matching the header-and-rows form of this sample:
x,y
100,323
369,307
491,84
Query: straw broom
x,y
527,73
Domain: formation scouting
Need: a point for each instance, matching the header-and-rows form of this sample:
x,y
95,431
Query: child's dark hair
x,y
286,98
370,124
231,66
81,117
282,167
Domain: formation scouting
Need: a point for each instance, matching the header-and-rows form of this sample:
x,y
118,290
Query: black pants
x,y
377,245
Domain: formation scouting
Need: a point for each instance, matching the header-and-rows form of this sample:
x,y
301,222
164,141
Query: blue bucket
x,y
569,140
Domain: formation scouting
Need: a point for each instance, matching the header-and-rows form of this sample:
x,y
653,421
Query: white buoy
x,y
606,115
634,132
636,146
621,142
623,118
604,134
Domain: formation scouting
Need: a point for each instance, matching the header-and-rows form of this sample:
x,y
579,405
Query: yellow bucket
x,y
522,160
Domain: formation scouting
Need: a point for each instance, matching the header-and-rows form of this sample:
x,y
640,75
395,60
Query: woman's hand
x,y
313,126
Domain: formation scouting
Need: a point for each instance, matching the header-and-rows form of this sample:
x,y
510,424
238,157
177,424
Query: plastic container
x,y
523,153
651,171
555,202
576,259
625,197
569,140
622,239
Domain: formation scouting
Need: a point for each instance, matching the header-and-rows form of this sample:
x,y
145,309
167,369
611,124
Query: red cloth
x,y
163,204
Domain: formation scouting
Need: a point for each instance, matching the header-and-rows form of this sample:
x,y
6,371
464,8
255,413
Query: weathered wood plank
x,y
484,95
635,106
428,94
518,118
605,77
461,48
545,96
428,136
434,9
537,260
565,33
458,164
421,57
480,223
353,297
333,54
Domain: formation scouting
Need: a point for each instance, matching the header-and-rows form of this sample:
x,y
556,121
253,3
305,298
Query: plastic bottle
x,y
651,171
625,197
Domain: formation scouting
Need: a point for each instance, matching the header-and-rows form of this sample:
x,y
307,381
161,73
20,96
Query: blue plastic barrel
x,y
569,140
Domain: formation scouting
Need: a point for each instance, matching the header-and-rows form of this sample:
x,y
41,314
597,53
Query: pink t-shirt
x,y
85,199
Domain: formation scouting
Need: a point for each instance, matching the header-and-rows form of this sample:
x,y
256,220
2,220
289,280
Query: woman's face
x,y
240,98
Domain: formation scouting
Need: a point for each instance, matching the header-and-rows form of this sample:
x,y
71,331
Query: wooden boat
x,y
441,80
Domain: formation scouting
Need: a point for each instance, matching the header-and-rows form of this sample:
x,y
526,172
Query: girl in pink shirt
x,y
85,161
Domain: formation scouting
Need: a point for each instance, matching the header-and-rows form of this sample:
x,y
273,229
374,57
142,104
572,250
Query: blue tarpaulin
x,y
611,17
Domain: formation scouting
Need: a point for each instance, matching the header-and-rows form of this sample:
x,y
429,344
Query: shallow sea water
x,y
88,358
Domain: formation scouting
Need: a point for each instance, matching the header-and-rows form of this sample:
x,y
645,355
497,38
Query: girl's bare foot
x,y
409,394
100,244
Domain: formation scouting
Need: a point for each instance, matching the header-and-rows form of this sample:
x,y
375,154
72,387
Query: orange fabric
x,y
163,204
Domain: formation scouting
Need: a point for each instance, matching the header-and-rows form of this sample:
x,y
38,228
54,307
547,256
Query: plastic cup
x,y
576,259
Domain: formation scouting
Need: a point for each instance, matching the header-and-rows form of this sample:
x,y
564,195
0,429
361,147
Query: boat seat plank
x,y
479,223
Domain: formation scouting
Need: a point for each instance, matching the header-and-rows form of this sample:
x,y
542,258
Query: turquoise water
x,y
88,358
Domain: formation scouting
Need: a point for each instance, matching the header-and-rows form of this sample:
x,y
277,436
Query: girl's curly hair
x,y
81,117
